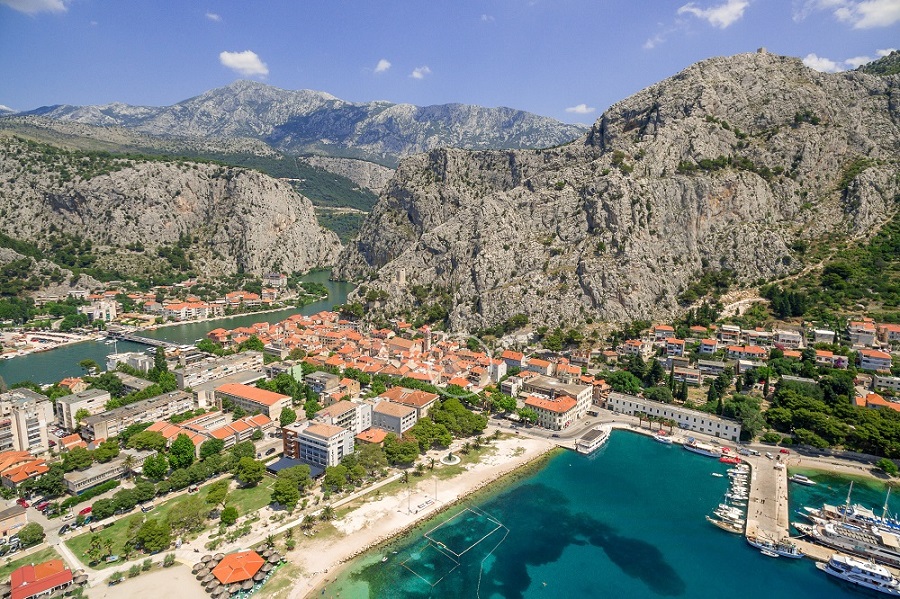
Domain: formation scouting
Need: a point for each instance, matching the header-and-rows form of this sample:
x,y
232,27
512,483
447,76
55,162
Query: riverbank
x,y
381,519
41,341
177,323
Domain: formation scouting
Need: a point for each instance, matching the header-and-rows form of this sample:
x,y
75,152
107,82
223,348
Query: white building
x,y
687,419
355,417
316,443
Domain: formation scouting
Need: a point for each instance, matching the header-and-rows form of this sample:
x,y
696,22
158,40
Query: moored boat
x,y
593,439
710,451
861,573
802,480
661,437
726,526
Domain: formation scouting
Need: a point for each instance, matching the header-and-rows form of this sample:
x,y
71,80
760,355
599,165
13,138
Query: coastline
x,y
38,349
166,325
377,523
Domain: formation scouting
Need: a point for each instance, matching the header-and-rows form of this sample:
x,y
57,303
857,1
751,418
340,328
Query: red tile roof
x,y
560,405
254,394
33,580
238,567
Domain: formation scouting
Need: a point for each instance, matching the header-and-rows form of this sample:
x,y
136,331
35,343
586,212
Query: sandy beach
x,y
176,581
382,518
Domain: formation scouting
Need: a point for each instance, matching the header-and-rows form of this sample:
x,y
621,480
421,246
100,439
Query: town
x,y
301,410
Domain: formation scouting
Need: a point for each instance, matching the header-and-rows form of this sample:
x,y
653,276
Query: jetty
x,y
135,338
767,507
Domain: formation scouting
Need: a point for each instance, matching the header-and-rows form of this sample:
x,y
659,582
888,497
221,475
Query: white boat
x,y
718,474
726,526
802,480
593,439
861,573
662,438
786,548
768,553
710,451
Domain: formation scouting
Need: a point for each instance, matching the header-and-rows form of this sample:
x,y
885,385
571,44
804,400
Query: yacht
x,y
802,480
861,573
663,438
594,439
710,451
783,548
871,544
731,527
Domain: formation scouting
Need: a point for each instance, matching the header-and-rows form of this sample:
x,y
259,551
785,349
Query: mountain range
x,y
314,122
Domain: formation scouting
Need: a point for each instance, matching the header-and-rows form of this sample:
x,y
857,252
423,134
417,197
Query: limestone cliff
x,y
731,164
234,219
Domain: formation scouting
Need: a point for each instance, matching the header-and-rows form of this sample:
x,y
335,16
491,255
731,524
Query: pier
x,y
767,507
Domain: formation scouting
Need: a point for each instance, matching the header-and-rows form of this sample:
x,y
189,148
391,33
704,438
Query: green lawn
x,y
246,500
38,557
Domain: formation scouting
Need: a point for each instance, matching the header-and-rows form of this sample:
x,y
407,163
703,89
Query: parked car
x,y
21,501
783,450
42,506
271,450
86,511
770,456
68,516
63,529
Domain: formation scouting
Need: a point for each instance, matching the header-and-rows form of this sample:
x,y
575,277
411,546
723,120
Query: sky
x,y
568,59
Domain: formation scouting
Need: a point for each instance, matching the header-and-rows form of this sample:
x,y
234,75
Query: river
x,y
56,364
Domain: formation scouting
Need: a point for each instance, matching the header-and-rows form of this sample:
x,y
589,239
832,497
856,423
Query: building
x,y
24,416
871,359
236,568
788,339
674,347
112,422
210,369
552,388
18,466
636,347
11,520
105,310
253,399
242,429
822,336
40,580
422,401
861,333
662,332
132,383
711,367
93,401
355,417
323,382
691,376
889,333
708,346
746,352
883,381
316,443
875,401
275,279
687,419
136,359
554,413
543,367
513,359
79,481
205,393
393,417
729,333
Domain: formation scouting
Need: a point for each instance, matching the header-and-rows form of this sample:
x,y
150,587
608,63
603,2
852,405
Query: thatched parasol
x,y
274,558
260,576
202,573
206,558
266,567
217,591
235,588
247,585
207,579
197,567
219,556
266,553
212,563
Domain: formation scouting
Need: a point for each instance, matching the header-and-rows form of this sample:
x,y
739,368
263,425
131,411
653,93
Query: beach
x,y
175,581
381,518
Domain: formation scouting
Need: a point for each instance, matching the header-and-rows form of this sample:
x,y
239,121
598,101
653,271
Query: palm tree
x,y
406,477
640,417
479,440
128,463
431,464
270,541
327,513
307,523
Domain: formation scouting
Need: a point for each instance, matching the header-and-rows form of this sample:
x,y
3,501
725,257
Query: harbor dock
x,y
767,507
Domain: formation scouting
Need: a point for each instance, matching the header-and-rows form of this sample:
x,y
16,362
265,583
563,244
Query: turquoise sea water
x,y
627,521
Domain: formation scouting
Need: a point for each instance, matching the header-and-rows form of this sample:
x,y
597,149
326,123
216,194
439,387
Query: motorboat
x,y
802,480
861,573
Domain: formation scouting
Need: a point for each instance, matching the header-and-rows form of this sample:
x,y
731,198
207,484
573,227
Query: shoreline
x,y
167,325
478,483
40,350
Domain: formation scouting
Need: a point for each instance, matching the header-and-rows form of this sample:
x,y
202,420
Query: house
x,y
11,520
323,382
253,399
421,401
40,580
554,413
73,384
747,352
674,347
512,385
636,347
822,336
18,466
871,359
757,337
662,332
373,435
729,333
883,381
540,366
711,367
788,339
708,347
317,443
862,333
275,279
393,417
889,333
875,401
691,376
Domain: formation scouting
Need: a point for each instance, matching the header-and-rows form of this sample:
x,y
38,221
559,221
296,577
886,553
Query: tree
x,y
335,477
327,513
103,508
371,457
257,435
299,476
181,453
661,394
229,515
147,440
189,514
217,493
155,467
125,500
31,534
249,472
887,466
623,381
286,493
244,449
655,374
89,365
288,416
159,360
77,458
211,447
155,535
106,451
145,491
400,452
529,415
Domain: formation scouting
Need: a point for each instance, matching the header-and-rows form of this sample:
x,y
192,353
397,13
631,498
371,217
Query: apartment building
x,y
552,388
111,422
421,401
871,359
253,399
91,400
78,481
24,416
210,369
554,413
317,443
355,417
393,417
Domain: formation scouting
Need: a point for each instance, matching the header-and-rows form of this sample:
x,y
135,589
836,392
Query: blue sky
x,y
569,59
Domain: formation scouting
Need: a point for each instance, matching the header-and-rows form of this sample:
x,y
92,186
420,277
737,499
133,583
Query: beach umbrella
x,y
235,588
217,591
248,584
219,556
197,567
274,558
206,558
266,553
212,586
207,579
212,563
266,567
259,576
202,573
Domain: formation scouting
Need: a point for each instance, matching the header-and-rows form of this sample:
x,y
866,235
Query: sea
x,y
54,365
627,521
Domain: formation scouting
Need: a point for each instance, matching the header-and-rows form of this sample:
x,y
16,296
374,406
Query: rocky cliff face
x,y
365,174
238,219
727,165
311,121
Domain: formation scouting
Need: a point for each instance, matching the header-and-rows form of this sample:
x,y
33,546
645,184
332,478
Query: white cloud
x,y
420,72
885,52
213,17
31,7
244,63
383,65
857,61
581,109
485,18
720,16
826,65
860,14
